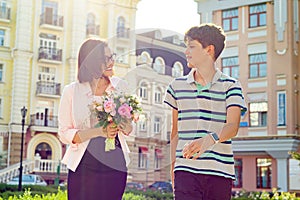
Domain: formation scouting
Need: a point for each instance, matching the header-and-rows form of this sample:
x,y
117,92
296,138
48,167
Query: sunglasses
x,y
112,57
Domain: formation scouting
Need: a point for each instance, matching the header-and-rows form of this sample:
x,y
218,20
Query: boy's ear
x,y
211,50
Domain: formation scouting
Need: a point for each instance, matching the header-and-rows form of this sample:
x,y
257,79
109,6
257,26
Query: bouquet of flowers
x,y
115,108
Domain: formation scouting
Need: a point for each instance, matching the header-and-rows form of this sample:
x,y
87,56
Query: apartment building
x,y
160,58
39,43
262,53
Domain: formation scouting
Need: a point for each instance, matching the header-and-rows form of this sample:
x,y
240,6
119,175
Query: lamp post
x,y
23,113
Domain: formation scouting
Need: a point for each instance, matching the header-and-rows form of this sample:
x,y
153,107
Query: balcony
x,y
92,29
50,54
51,21
41,119
123,32
4,13
48,89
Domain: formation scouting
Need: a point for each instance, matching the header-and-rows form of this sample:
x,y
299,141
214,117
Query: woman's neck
x,y
98,86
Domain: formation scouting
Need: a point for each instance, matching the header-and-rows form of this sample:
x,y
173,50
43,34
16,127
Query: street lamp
x,y
23,113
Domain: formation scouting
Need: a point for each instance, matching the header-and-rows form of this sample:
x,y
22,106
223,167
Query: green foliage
x,y
274,195
131,196
295,155
151,195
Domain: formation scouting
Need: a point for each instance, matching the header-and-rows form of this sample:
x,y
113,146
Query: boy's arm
x,y
229,130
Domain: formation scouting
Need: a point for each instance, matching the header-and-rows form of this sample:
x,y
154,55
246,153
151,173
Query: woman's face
x,y
110,60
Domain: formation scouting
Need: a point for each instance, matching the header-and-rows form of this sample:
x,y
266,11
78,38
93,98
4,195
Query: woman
x,y
93,173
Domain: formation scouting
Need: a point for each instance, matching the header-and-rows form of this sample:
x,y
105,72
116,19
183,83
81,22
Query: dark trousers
x,y
193,186
100,175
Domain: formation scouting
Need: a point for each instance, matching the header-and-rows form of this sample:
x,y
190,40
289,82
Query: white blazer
x,y
74,115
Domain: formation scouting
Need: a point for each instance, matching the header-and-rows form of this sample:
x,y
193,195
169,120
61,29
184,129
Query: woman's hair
x,y
207,34
91,60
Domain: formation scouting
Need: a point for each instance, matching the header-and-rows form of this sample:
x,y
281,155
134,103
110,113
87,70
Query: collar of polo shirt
x,y
190,77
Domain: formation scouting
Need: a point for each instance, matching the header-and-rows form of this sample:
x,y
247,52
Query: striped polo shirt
x,y
201,110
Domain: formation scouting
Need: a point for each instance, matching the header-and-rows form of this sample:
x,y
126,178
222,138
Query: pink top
x,y
74,115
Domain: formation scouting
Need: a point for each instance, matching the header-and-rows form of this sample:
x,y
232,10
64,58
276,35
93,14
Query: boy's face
x,y
195,53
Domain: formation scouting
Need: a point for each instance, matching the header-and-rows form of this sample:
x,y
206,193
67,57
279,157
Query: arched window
x,y
121,30
44,150
158,95
145,57
159,65
143,91
177,69
91,27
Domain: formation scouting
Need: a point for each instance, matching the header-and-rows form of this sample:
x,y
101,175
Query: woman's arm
x,y
173,142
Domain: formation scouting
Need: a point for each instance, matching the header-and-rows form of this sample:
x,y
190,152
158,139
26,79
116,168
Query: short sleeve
x,y
170,97
235,97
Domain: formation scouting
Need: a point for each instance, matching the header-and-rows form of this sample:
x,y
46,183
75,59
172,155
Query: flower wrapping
x,y
115,108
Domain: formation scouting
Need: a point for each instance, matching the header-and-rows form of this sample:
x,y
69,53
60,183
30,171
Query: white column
x,y
282,173
78,33
282,169
22,54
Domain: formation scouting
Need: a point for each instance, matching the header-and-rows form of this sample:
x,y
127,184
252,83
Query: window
x,y
145,57
263,172
143,91
258,65
257,15
143,122
258,114
1,107
177,69
2,37
281,106
122,56
1,72
159,65
230,66
48,47
121,30
157,95
44,110
91,27
46,74
230,19
238,168
157,124
143,152
158,158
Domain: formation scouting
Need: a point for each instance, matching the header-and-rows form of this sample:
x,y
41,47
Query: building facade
x,y
159,60
262,50
39,43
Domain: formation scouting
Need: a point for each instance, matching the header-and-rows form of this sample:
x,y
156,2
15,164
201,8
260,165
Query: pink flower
x,y
109,106
124,110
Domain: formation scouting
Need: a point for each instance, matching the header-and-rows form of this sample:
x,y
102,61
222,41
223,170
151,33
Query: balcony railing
x,y
50,19
4,12
123,32
40,119
92,29
50,54
47,88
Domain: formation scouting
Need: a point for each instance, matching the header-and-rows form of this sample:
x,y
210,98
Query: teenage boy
x,y
206,108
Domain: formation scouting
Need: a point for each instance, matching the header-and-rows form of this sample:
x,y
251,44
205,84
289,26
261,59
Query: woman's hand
x,y
125,127
111,130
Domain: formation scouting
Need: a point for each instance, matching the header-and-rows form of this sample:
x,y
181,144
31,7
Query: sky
x,y
172,15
